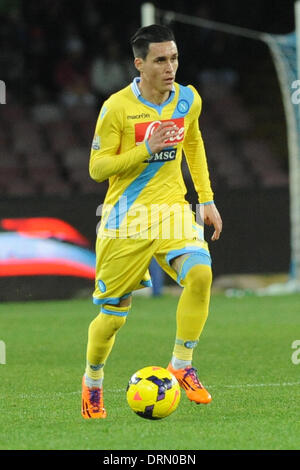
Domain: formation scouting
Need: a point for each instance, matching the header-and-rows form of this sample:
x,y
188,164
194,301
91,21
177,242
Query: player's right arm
x,y
105,159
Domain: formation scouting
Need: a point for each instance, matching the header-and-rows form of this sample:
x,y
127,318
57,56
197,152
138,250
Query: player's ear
x,y
138,63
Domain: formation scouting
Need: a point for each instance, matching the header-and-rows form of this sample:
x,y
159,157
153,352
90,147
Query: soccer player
x,y
140,134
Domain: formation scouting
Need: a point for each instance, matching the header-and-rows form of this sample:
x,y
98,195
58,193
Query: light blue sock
x,y
93,383
179,364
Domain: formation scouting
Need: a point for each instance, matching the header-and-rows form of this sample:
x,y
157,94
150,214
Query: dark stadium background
x,y
51,53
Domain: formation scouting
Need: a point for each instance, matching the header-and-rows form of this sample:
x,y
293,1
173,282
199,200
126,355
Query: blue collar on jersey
x,y
137,93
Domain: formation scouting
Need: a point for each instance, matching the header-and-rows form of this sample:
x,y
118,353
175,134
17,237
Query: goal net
x,y
283,49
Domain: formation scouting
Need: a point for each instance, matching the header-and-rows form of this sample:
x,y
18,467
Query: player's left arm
x,y
211,216
195,154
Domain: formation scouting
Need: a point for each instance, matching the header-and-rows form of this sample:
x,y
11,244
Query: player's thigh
x,y
121,267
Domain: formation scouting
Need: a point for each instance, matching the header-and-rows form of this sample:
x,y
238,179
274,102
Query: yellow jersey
x,y
138,179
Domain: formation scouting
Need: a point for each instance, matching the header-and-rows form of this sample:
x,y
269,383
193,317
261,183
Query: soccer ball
x,y
153,392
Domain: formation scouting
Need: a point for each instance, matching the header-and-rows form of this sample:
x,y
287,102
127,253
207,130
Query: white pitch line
x,y
54,395
283,384
220,386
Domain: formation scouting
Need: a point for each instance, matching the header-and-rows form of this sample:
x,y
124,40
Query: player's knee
x,y
115,315
199,278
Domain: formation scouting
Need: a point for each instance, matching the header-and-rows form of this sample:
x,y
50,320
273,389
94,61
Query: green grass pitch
x,y
243,357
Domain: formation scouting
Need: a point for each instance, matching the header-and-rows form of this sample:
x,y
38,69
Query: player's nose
x,y
169,67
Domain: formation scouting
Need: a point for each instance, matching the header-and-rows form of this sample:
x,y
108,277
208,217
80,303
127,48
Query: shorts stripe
x,y
193,260
147,283
110,300
114,312
182,251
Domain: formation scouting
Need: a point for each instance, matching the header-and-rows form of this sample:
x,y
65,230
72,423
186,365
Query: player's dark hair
x,y
144,36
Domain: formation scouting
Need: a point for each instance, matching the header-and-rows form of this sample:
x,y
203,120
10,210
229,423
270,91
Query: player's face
x,y
159,68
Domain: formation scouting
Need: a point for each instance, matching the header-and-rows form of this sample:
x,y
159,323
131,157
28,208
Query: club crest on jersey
x,y
144,130
183,106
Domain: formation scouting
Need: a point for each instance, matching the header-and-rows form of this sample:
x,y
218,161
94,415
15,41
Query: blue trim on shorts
x,y
146,283
112,312
206,203
182,251
193,260
110,300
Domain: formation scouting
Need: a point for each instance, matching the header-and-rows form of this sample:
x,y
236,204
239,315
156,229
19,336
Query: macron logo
x,y
139,116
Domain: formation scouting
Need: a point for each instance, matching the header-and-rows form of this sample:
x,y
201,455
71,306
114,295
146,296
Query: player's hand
x,y
211,216
161,134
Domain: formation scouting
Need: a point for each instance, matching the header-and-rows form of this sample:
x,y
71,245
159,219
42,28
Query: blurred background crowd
x,y
61,59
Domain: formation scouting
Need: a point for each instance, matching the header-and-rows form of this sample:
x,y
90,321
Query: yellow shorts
x,y
122,264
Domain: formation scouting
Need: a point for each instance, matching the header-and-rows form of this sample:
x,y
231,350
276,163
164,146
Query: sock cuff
x,y
93,372
180,363
93,382
189,344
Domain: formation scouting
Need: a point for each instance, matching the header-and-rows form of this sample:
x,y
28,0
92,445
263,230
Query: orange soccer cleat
x,y
188,380
92,402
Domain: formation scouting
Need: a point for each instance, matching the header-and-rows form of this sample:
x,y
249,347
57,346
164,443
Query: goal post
x,y
147,14
297,27
296,228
